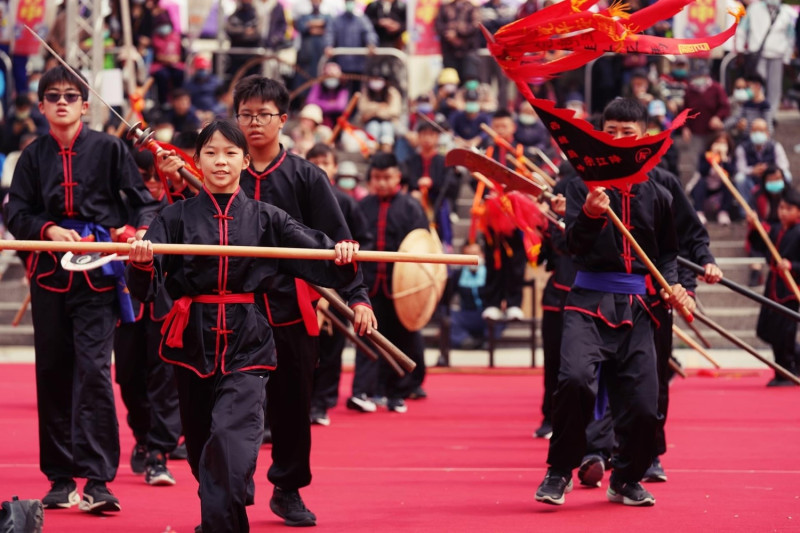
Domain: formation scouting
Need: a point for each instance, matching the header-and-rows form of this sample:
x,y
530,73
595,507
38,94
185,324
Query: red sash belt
x,y
178,316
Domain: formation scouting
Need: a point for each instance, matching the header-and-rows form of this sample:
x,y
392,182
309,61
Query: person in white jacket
x,y
778,40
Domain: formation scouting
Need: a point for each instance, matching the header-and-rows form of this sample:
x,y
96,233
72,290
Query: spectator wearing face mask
x,y
22,121
311,29
331,95
379,108
765,197
708,99
530,131
350,29
202,85
768,27
711,197
467,123
755,155
756,105
168,67
448,98
672,84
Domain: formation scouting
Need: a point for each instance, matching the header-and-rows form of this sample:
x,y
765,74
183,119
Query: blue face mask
x,y
347,184
742,95
680,73
759,138
472,107
774,187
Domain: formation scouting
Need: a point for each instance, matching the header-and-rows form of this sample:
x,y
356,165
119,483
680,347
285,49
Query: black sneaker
x,y
63,494
288,505
180,450
629,493
655,473
361,403
397,405
139,459
319,417
545,431
418,394
591,470
98,499
553,488
157,472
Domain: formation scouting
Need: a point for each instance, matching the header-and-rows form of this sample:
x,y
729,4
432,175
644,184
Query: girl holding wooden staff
x,y
219,342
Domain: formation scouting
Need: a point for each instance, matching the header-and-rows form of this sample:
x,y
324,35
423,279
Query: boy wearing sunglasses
x,y
71,185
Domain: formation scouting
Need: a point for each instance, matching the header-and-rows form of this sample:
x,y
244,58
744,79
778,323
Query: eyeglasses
x,y
70,98
246,119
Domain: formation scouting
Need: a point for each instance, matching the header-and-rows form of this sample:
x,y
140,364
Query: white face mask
x,y
377,85
330,83
527,120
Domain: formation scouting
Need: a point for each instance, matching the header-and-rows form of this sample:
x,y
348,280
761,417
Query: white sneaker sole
x,y
90,506
544,498
365,406
615,497
161,480
72,500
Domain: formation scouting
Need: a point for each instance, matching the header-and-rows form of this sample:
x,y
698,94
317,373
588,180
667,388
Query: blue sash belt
x,y
614,282
114,269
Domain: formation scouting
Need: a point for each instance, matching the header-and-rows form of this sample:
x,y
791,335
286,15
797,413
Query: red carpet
x,y
464,460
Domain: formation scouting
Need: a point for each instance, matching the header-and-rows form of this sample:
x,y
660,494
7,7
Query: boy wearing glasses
x,y
71,185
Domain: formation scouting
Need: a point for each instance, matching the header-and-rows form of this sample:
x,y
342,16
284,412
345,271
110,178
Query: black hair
x,y
227,128
320,150
769,171
382,161
502,113
60,74
424,125
185,139
755,77
626,110
144,159
791,196
179,92
22,100
261,88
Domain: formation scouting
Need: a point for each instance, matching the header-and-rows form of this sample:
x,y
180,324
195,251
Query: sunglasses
x,y
70,98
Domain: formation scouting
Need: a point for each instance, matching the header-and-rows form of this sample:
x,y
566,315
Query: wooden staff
x,y
678,370
351,106
22,308
546,159
785,274
699,335
376,336
525,171
735,287
527,162
360,344
646,260
236,251
746,347
692,344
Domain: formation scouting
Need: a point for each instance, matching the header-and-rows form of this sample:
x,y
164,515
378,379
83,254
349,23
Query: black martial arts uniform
x,y
304,192
774,327
607,320
555,254
146,383
331,345
393,218
218,340
693,242
91,186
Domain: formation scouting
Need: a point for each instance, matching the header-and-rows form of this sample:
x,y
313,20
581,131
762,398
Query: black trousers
x,y
329,368
600,433
288,405
630,375
147,385
73,335
551,328
223,422
504,279
377,378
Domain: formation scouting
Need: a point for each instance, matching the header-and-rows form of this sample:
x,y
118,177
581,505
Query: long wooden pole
x,y
693,344
351,106
236,251
746,347
786,275
678,370
22,308
646,260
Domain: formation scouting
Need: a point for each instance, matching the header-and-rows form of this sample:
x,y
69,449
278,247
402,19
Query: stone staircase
x,y
13,290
